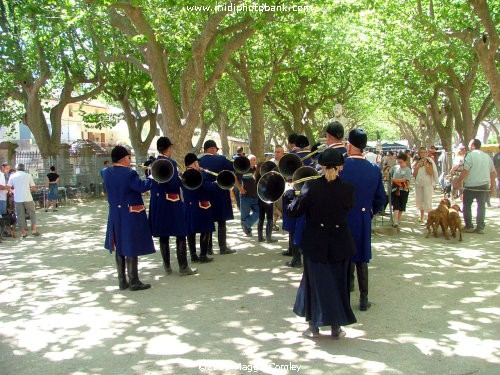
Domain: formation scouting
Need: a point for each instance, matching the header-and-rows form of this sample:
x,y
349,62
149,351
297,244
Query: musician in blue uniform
x,y
288,222
166,213
334,136
366,178
127,233
222,207
302,146
199,218
323,295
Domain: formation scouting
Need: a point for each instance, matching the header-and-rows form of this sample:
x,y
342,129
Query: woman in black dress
x,y
327,245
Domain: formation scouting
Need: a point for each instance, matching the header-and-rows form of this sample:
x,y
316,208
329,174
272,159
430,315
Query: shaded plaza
x,y
435,309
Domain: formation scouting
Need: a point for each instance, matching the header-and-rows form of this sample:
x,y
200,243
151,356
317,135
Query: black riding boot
x,y
133,275
210,244
288,252
204,243
296,257
122,275
221,236
184,269
362,273
165,255
269,232
191,240
260,229
352,266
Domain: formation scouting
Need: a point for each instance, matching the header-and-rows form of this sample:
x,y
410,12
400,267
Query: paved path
x,y
435,310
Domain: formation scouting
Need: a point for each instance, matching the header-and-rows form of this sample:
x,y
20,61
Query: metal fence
x,y
79,173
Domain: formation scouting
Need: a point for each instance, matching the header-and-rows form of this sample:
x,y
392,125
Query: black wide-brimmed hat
x,y
118,153
330,158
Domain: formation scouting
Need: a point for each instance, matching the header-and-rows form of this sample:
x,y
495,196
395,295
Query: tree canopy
x,y
426,70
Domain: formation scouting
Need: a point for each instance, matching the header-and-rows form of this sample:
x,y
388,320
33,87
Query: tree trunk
x,y
223,125
486,48
256,103
36,122
180,120
135,124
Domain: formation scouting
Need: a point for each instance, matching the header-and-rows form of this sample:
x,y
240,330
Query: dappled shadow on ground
x,y
436,308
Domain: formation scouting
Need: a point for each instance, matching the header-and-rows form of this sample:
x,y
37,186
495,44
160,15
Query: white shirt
x,y
21,182
371,156
423,178
480,166
3,193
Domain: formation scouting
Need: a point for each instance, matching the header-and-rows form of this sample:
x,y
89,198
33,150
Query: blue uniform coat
x,y
128,230
166,208
222,207
300,222
366,178
199,215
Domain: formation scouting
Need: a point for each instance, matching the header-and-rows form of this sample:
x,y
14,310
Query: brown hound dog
x,y
454,221
438,218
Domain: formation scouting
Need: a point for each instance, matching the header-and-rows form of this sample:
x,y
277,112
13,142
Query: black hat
x,y
357,138
163,143
314,148
335,129
330,158
118,153
301,141
190,159
210,143
292,138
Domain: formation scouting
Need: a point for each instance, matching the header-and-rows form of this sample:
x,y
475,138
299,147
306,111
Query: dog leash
x,y
476,189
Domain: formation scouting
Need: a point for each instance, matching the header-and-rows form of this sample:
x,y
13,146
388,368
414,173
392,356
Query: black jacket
x,y
326,237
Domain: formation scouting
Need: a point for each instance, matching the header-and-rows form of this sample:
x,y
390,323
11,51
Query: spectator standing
x,y
236,192
53,195
371,157
478,178
4,189
456,169
401,176
22,183
496,163
434,155
426,176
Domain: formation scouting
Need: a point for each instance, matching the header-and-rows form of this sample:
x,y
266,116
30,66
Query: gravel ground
x,y
435,310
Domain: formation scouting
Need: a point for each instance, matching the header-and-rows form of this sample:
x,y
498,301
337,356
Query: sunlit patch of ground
x,y
436,307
